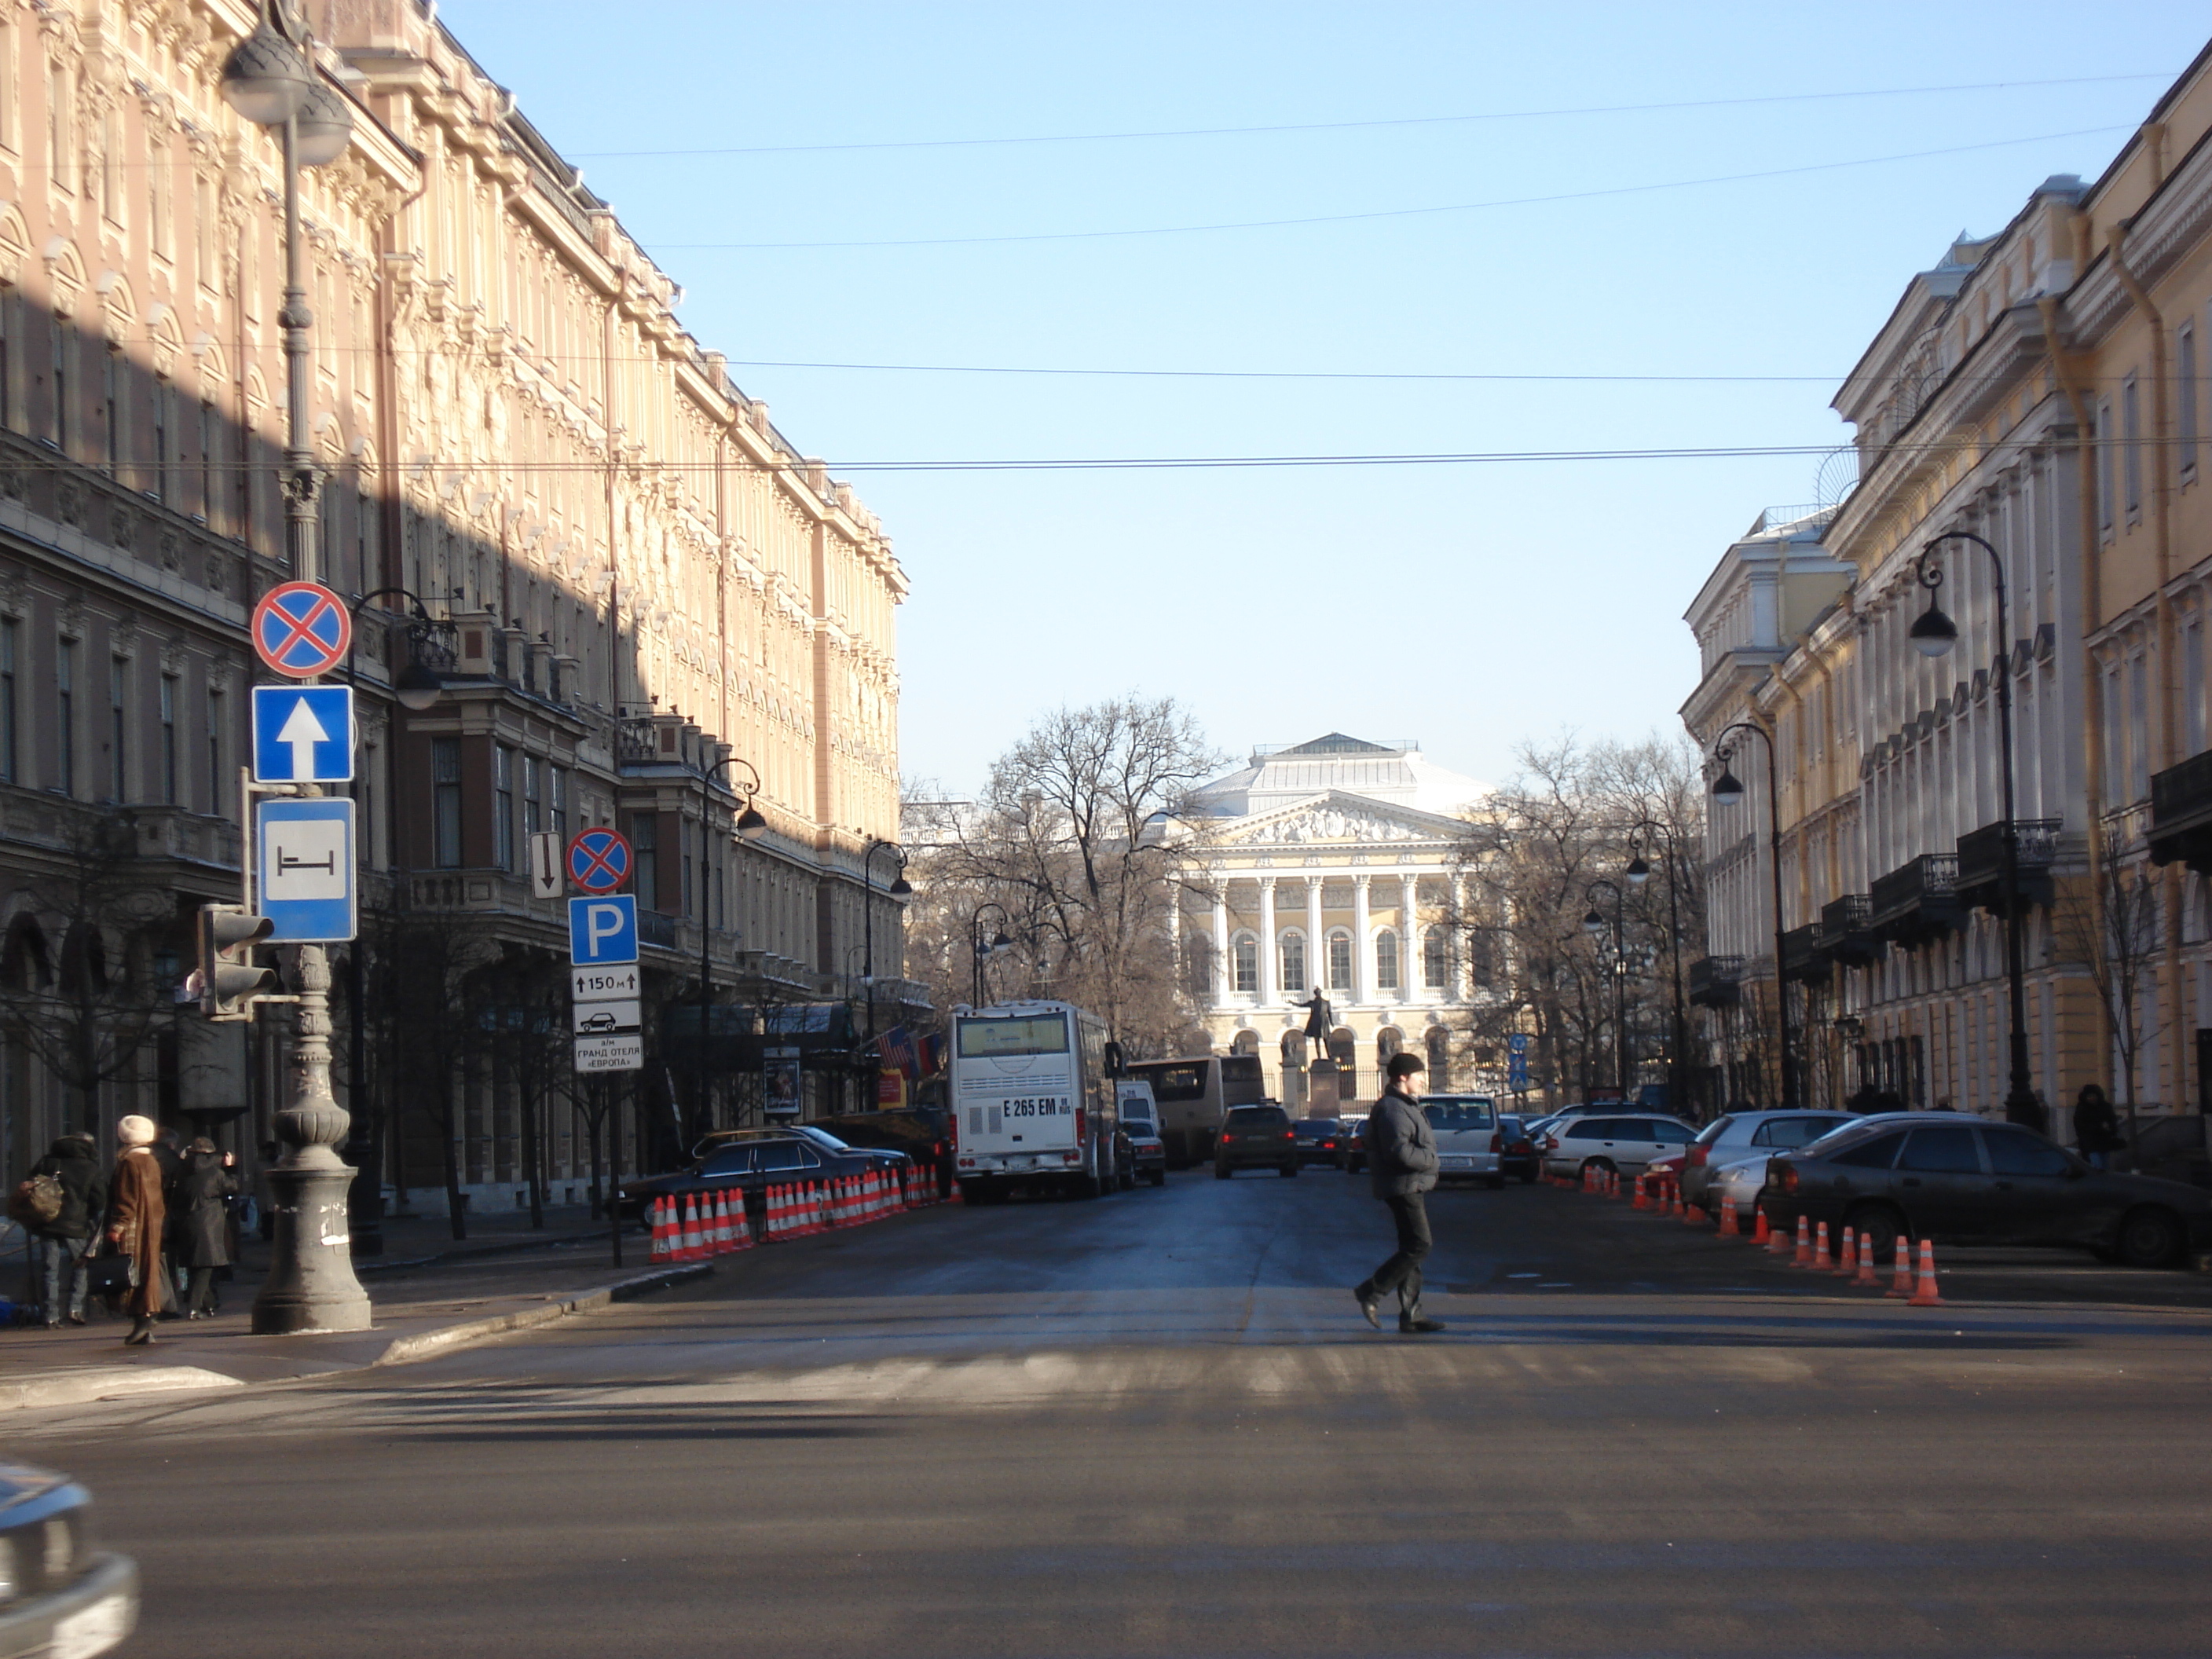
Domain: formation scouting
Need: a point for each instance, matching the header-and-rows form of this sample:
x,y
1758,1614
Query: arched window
x,y
1294,961
1435,967
1294,1051
1244,1043
1246,951
1340,961
1386,961
1439,1058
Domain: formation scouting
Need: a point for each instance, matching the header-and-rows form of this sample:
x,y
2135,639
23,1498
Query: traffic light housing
x,y
229,978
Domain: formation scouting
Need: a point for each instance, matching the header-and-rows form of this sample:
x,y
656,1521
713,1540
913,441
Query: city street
x,y
1156,1424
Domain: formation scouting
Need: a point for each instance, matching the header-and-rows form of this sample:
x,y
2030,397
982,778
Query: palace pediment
x,y
1337,819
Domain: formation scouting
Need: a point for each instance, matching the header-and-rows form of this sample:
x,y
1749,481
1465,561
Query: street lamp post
x,y
1638,873
1934,634
900,888
270,80
998,946
1595,923
751,825
1728,789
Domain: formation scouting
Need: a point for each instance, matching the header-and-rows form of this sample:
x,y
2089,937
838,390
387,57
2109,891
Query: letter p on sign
x,y
603,930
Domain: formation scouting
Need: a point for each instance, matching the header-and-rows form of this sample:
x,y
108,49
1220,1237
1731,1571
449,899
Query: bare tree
x,y
2108,927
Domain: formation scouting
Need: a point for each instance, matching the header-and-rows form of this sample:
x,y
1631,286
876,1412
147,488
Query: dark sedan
x,y
754,1160
59,1594
1961,1181
1518,1158
1320,1140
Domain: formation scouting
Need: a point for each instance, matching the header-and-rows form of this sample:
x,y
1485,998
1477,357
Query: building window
x,y
446,802
207,464
1294,961
10,759
162,445
1340,961
503,803
215,795
2185,397
65,717
118,728
2139,728
59,333
533,799
1245,952
645,846
1386,961
2192,684
558,793
2131,445
112,403
168,741
2104,447
1435,963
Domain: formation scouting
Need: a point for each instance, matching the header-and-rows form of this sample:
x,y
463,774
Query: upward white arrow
x,y
301,732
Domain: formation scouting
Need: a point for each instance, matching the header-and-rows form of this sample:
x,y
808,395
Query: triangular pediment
x,y
1335,818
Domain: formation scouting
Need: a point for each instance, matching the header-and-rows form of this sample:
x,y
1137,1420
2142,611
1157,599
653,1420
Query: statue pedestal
x,y
1321,1098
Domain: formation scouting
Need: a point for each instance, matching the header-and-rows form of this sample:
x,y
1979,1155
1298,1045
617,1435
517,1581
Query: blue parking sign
x,y
602,929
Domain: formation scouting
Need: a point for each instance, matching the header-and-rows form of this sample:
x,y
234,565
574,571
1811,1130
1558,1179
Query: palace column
x,y
1409,933
1363,962
1268,973
1317,951
1457,980
1223,968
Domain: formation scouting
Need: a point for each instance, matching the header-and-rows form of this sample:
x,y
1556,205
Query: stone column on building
x,y
1222,967
1363,948
1174,936
1409,932
1268,973
1316,948
1458,983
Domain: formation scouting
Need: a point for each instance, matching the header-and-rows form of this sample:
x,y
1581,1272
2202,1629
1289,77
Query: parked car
x,y
1465,1127
1626,1144
754,1160
1959,1180
1351,1143
1737,1135
1516,1153
59,1592
1140,1124
1256,1135
920,1131
1320,1140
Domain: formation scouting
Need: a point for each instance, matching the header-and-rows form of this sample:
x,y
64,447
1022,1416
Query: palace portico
x,y
1336,863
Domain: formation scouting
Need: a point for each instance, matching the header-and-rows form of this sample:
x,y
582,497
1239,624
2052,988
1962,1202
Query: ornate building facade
x,y
627,574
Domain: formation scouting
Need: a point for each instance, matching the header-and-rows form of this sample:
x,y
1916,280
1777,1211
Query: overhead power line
x,y
1393,213
1357,126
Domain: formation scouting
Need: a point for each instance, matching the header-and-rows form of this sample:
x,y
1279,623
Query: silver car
x,y
1625,1142
1742,1136
1466,1131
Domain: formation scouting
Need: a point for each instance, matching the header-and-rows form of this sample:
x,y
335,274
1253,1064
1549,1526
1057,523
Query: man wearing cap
x,y
1401,1163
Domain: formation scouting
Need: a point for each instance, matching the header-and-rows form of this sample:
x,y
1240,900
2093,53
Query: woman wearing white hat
x,y
135,1217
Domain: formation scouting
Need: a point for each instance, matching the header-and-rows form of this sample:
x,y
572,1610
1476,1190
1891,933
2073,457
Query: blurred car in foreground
x,y
1320,1140
1961,1181
60,1594
1735,1137
1256,1135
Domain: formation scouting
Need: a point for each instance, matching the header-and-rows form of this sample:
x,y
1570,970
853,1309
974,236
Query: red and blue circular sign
x,y
302,629
598,861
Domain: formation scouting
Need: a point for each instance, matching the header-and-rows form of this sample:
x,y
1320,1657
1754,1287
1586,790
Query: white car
x,y
1603,1141
1741,1135
1466,1130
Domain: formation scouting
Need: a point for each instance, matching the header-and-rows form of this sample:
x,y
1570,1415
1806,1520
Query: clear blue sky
x,y
1468,607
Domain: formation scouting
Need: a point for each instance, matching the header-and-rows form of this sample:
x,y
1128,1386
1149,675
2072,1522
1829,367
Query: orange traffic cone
x,y
1847,1261
1778,1238
1693,1215
717,1230
1804,1258
1900,1280
1760,1233
741,1224
1822,1262
1729,1227
1641,1201
1923,1294
1867,1276
662,1247
690,1249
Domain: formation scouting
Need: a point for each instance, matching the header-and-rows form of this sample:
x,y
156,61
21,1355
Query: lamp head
x,y
265,78
901,888
322,128
418,685
751,826
1638,871
1728,789
1932,633
1593,923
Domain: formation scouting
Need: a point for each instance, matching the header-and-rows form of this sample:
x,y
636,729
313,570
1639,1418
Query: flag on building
x,y
896,1047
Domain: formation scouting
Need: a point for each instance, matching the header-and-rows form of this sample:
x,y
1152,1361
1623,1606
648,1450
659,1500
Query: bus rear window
x,y
1031,1034
1175,1082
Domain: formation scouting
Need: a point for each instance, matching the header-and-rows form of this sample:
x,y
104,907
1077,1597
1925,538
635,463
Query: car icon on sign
x,y
598,1022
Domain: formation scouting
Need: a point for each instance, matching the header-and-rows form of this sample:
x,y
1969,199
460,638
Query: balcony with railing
x,y
2181,814
1981,861
1806,956
1716,981
1848,923
1918,900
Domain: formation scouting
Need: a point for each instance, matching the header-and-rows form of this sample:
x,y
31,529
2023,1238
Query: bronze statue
x,y
1320,1021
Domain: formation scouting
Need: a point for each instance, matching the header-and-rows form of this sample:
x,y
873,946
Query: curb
x,y
107,1382
426,1344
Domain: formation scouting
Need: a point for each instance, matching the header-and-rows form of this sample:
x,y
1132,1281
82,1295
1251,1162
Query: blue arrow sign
x,y
603,930
302,735
304,869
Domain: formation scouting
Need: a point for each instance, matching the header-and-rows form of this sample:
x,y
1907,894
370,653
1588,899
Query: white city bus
x,y
1032,1102
1194,1095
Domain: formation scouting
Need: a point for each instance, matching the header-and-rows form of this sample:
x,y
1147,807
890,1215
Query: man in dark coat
x,y
203,1222
66,1242
2096,1126
1402,1165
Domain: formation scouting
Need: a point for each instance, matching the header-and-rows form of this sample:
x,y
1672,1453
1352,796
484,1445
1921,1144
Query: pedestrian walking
x,y
1401,1166
60,1206
136,1219
168,1150
203,1229
2096,1126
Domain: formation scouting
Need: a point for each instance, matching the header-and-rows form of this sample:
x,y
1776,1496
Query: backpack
x,y
37,1202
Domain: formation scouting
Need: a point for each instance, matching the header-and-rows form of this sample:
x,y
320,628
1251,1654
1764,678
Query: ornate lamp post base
x,y
311,1285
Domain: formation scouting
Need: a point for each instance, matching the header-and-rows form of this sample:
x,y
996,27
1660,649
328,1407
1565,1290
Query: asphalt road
x,y
1156,1425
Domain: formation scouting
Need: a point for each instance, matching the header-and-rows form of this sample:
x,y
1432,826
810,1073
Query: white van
x,y
1140,1121
1466,1129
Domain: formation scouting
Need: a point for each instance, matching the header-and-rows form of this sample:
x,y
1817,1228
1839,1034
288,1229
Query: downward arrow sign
x,y
301,732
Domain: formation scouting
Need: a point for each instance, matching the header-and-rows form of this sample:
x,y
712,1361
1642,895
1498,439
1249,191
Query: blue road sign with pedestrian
x,y
302,735
304,869
603,930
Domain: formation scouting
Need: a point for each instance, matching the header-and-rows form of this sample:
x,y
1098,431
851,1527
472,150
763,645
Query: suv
x,y
1255,1135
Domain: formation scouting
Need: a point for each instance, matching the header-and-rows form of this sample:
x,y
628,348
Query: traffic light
x,y
229,978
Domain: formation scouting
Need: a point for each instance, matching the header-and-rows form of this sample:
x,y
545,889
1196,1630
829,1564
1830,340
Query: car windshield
x,y
1257,1117
821,1138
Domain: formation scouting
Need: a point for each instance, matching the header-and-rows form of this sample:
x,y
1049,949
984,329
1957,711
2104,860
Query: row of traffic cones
x,y
708,1225
705,1225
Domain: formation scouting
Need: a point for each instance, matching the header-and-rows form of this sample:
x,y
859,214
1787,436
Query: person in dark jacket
x,y
203,1222
2096,1126
1401,1165
65,1243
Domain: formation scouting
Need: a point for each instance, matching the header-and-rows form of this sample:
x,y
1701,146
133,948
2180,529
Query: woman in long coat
x,y
203,1239
135,1215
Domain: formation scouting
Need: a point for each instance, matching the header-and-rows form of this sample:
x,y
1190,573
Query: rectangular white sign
x,y
614,984
624,1052
597,1018
546,881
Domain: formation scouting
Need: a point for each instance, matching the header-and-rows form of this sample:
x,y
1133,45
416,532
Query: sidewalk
x,y
430,1293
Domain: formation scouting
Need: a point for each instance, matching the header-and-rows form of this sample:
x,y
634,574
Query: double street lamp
x,y
900,888
997,945
270,80
751,825
1593,924
1933,634
1637,872
1728,790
